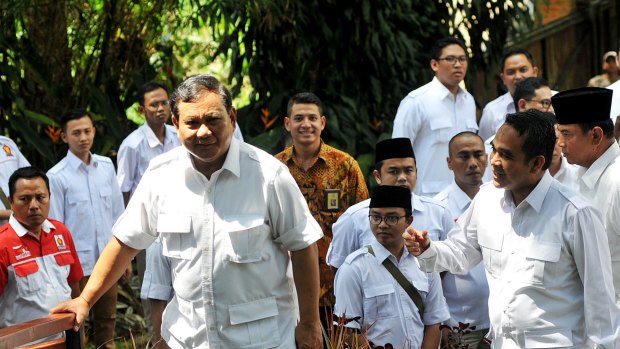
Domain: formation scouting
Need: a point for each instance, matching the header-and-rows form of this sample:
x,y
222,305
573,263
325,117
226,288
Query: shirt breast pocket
x,y
79,202
105,193
248,236
177,241
491,247
539,256
377,302
64,260
441,128
27,277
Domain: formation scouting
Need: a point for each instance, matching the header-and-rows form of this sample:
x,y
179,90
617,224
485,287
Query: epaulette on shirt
x,y
431,201
166,157
360,252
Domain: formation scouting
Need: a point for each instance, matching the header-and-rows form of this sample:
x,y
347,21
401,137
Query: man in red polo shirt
x,y
39,266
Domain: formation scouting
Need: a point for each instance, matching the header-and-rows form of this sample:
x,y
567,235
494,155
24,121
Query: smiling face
x,y
305,124
30,203
205,128
516,68
399,171
79,135
450,74
390,236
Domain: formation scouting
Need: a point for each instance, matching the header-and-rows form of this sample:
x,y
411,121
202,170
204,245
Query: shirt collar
x,y
594,172
416,203
442,91
459,196
20,230
537,195
290,151
509,102
150,136
381,253
231,163
75,162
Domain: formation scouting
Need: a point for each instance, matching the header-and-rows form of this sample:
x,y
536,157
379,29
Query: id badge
x,y
332,200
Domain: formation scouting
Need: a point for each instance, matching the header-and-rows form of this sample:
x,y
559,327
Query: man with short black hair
x,y
587,140
85,196
381,290
330,180
430,115
544,247
467,295
39,265
517,64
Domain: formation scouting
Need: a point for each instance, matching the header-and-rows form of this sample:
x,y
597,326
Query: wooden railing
x,y
16,335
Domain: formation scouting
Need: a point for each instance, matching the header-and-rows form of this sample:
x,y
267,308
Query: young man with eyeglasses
x,y
374,302
430,115
517,64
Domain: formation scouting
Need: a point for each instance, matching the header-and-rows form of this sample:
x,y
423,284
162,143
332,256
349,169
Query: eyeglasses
x,y
389,220
156,105
546,103
454,59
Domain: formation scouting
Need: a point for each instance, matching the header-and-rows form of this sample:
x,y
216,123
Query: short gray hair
x,y
194,86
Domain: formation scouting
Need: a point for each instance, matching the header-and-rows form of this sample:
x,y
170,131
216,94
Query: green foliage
x,y
361,57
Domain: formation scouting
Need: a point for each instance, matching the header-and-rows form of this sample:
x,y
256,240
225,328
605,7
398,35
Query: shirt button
x,y
212,328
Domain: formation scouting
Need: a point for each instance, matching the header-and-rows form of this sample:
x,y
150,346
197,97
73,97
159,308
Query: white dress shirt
x,y
87,199
10,160
494,115
352,230
467,295
601,184
547,263
365,288
429,116
137,150
615,100
227,240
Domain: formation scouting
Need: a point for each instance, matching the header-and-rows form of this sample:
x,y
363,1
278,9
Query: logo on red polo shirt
x,y
60,242
21,252
7,150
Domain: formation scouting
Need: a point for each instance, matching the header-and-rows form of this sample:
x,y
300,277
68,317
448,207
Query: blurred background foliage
x,y
361,57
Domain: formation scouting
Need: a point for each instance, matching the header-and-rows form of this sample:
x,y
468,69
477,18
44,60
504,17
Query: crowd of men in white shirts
x,y
520,214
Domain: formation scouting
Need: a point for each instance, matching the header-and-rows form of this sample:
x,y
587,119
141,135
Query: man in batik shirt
x,y
330,179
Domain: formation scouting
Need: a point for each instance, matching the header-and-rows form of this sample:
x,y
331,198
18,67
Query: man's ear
x,y
597,135
449,161
287,123
233,116
377,176
409,219
63,136
521,104
434,65
175,122
537,163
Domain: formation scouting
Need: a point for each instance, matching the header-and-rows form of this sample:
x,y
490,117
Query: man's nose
x,y
203,131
